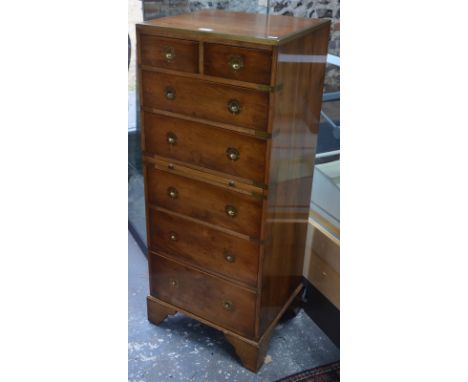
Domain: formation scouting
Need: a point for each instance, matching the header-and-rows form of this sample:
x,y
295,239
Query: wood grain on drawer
x,y
243,64
204,201
204,247
169,53
205,146
211,298
206,100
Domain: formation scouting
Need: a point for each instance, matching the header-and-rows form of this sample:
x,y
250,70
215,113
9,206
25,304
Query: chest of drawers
x,y
230,109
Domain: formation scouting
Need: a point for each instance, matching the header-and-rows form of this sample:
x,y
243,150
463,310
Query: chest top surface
x,y
252,27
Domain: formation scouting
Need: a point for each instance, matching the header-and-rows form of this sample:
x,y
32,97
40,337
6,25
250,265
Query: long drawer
x,y
204,99
205,146
206,296
203,201
204,247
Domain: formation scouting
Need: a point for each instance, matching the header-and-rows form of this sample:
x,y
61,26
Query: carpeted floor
x,y
325,373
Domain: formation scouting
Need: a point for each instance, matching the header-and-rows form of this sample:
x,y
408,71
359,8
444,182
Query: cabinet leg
x,y
252,354
157,313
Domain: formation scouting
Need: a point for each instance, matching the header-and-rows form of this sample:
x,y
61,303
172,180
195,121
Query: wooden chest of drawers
x,y
230,108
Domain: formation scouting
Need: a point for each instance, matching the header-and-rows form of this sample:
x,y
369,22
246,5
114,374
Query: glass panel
x,y
136,204
325,203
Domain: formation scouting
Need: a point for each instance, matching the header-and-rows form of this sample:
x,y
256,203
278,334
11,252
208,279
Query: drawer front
x,y
169,53
205,202
243,64
205,247
213,299
326,279
205,146
204,99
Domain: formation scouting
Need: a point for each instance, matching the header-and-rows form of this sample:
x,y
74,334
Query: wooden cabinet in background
x,y
230,108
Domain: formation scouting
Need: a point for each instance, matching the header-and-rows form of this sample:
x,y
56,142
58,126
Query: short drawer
x,y
206,296
204,247
326,279
206,100
243,64
205,146
168,53
203,201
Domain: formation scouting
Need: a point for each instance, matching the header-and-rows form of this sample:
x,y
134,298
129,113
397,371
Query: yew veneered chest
x,y
230,109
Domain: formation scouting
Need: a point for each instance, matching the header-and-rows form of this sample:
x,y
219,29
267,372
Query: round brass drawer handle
x,y
229,257
236,62
169,53
228,305
173,193
171,138
173,236
173,283
232,153
230,211
170,93
234,106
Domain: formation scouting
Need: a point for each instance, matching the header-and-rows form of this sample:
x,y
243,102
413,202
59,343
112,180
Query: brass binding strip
x,y
271,89
234,184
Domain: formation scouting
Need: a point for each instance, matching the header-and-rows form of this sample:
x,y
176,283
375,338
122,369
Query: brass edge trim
x,y
232,128
214,274
265,88
202,320
262,134
270,89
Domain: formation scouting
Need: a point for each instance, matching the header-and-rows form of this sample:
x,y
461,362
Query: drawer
x,y
243,64
206,100
205,146
203,201
204,247
169,53
325,278
206,296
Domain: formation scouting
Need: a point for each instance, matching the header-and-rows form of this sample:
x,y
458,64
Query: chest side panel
x,y
295,122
